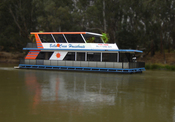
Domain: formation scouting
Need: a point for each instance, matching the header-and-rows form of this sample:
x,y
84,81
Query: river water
x,y
40,95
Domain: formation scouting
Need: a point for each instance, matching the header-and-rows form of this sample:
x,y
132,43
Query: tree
x,y
53,16
146,24
17,22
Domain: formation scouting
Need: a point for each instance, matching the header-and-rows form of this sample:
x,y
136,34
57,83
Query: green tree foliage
x,y
53,15
148,24
105,37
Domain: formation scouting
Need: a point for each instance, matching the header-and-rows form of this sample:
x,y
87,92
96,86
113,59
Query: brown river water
x,y
50,96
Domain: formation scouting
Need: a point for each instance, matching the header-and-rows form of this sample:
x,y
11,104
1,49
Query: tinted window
x,y
109,57
59,38
74,38
46,38
44,55
93,56
80,56
70,56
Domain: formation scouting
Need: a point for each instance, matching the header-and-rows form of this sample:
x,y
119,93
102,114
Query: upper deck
x,y
75,41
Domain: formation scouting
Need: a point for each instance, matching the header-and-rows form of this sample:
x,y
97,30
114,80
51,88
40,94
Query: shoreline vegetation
x,y
160,61
157,62
160,67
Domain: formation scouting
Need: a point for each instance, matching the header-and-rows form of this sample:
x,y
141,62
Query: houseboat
x,y
78,51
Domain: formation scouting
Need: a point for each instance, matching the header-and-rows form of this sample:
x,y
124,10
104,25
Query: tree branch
x,y
11,12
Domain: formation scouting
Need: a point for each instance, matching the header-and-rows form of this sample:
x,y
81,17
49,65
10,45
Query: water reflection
x,y
114,96
34,88
84,89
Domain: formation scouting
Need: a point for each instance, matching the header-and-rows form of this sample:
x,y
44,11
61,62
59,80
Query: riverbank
x,y
160,67
11,57
158,58
159,61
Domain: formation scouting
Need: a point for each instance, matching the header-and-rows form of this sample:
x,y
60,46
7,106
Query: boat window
x,y
46,38
44,55
80,56
92,38
59,38
70,56
93,56
109,57
74,38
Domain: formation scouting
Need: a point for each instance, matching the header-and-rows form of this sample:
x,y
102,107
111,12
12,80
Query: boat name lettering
x,y
76,46
53,45
65,46
61,45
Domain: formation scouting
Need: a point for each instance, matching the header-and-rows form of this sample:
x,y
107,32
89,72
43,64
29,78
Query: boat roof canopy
x,y
88,50
87,33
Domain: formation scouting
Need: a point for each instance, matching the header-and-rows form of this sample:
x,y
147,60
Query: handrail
x,y
122,65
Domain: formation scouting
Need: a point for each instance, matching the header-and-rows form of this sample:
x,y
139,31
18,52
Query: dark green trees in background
x,y
53,15
17,19
136,24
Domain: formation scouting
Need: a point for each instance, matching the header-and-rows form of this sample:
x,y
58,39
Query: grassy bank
x,y
160,67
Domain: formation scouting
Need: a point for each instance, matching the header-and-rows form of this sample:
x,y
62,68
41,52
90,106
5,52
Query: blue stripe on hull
x,y
96,69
